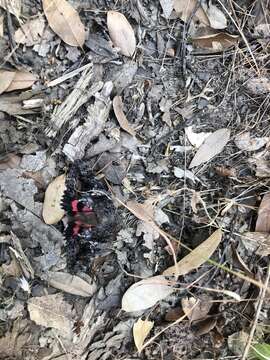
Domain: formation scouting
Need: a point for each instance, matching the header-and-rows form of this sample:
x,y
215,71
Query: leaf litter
x,y
114,72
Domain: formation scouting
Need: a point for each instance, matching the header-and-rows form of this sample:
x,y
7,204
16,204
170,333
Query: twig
x,y
255,321
242,35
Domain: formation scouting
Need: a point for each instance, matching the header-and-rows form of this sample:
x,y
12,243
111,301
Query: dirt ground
x,y
167,111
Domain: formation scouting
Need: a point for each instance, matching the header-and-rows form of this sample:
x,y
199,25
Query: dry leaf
x,y
258,86
211,147
52,311
216,17
120,116
167,7
196,309
13,6
15,80
258,242
204,326
214,41
197,256
246,143
141,329
180,173
185,9
31,32
146,293
6,78
10,161
65,21
196,139
52,211
121,33
69,283
2,18
263,220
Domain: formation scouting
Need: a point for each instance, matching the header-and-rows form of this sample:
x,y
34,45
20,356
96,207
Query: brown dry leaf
x,y
13,6
185,9
6,78
196,309
31,32
205,326
263,220
144,212
197,256
10,161
211,147
225,171
258,242
174,314
146,293
214,41
52,211
121,33
69,283
65,21
245,142
141,329
52,311
19,80
120,116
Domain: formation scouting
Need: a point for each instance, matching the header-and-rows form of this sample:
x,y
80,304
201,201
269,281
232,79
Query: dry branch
x,y
94,124
79,96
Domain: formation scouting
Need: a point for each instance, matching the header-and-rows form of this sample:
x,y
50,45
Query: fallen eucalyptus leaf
x,y
211,147
198,256
31,32
214,41
146,293
216,17
120,116
69,283
167,7
6,78
52,311
185,10
121,33
16,80
196,309
246,143
65,21
52,211
141,329
196,139
263,220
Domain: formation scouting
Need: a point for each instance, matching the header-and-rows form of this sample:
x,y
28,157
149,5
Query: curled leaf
x,y
146,293
65,21
263,220
197,256
141,329
121,33
52,211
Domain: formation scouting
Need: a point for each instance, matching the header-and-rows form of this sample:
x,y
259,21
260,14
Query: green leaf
x,y
261,351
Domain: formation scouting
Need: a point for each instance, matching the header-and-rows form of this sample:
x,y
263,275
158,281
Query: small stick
x,y
255,321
